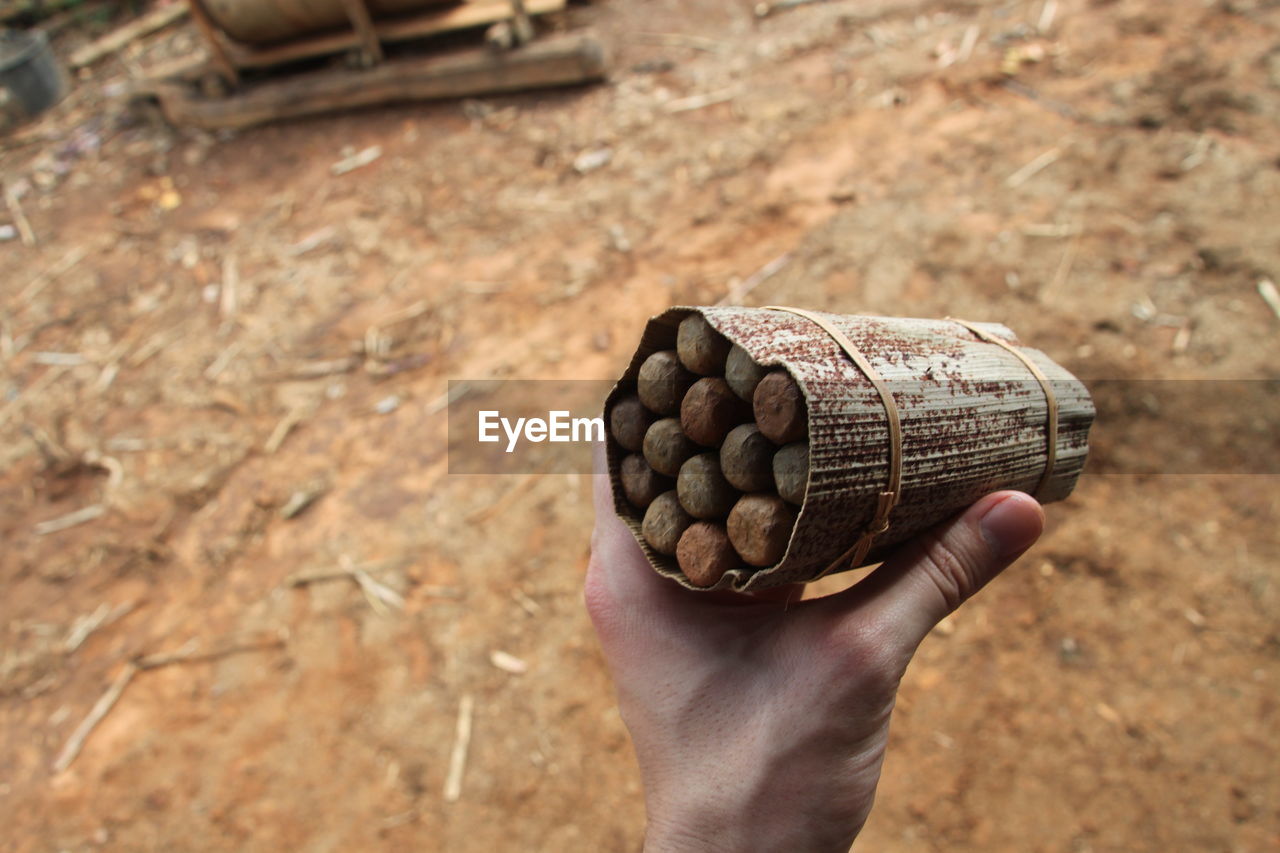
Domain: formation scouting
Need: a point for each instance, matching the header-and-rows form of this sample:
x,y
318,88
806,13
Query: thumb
x,y
931,576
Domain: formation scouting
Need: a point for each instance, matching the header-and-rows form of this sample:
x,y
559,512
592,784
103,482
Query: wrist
x,y
661,836
744,831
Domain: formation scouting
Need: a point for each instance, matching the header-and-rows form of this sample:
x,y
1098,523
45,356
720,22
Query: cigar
x,y
780,409
701,348
640,483
663,382
665,521
629,421
703,490
760,526
746,459
791,471
666,447
742,373
705,554
710,410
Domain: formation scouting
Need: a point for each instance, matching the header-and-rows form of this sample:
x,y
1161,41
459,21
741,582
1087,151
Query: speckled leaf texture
x,y
974,421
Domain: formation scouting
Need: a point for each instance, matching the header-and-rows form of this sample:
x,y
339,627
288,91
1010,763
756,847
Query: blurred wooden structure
x,y
386,58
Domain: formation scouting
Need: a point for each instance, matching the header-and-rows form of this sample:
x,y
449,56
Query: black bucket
x,y
29,73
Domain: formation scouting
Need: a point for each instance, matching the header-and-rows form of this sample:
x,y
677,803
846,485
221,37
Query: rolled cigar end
x,y
742,373
665,521
791,471
701,348
640,483
629,421
710,410
705,553
663,381
702,488
760,527
780,409
746,459
666,447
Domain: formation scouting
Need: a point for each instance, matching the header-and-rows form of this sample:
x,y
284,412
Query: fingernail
x,y
1012,525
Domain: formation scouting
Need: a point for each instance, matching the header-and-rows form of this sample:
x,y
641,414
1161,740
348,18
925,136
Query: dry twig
x,y
114,41
1047,14
1035,167
356,161
100,618
153,345
1064,268
378,342
71,519
697,102
140,664
224,359
344,573
739,290
42,278
230,287
764,10
527,604
508,662
96,714
25,230
379,595
303,497
191,654
461,744
1267,290
282,430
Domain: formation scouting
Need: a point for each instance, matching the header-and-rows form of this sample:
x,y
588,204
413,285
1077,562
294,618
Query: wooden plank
x,y
555,62
466,16
220,57
156,19
358,13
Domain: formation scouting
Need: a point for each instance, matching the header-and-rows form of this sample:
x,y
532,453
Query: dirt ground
x,y
213,330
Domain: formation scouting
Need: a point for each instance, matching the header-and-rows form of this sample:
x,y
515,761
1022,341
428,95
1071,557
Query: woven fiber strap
x,y
889,497
1051,399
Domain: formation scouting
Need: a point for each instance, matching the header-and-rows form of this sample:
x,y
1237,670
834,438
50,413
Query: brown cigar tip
x,y
701,348
791,471
742,373
662,382
666,447
780,409
640,483
746,458
705,553
703,490
760,527
665,521
628,422
710,410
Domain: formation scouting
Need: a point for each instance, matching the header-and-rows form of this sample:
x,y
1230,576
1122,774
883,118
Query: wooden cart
x,y
372,58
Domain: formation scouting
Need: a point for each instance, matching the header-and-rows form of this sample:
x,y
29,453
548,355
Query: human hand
x,y
760,721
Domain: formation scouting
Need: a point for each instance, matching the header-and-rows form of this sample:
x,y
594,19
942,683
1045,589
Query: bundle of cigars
x,y
754,447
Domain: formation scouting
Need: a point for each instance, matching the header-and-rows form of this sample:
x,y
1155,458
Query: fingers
x,y
618,576
937,572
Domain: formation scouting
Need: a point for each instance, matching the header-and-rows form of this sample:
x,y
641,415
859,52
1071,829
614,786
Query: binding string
x,y
1051,399
889,497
